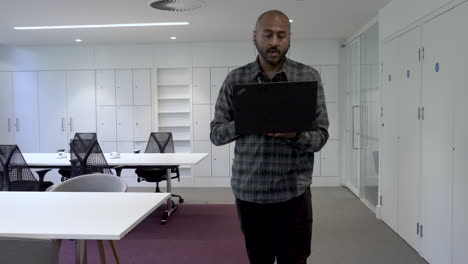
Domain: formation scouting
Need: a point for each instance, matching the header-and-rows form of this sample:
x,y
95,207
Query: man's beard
x,y
275,60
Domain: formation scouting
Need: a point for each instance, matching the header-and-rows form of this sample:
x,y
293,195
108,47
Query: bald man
x,y
272,173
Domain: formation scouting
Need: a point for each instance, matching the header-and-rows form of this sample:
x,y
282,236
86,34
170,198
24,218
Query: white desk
x,y
74,215
126,160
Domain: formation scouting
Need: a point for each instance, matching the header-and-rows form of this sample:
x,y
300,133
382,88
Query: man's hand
x,y
283,135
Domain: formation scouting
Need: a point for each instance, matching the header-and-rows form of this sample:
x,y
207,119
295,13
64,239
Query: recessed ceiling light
x,y
173,38
106,26
290,20
78,40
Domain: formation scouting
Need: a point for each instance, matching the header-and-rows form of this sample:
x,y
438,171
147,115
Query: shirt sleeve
x,y
313,141
222,126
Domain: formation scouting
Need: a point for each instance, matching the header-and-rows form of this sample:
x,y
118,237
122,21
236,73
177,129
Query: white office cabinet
x,y
105,87
142,123
127,147
317,165
332,109
124,87
389,138
81,102
201,86
7,133
107,146
106,123
407,80
329,163
203,169
25,103
329,76
141,87
437,145
141,145
201,122
457,72
218,75
125,123
220,161
53,117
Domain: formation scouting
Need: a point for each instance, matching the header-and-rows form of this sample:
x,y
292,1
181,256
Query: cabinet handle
x,y
63,124
71,124
17,124
9,124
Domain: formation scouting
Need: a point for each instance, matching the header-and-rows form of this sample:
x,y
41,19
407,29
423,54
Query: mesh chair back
x,y
15,174
93,183
160,142
86,157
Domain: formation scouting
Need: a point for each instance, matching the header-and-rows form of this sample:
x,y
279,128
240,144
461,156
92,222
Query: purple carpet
x,y
194,234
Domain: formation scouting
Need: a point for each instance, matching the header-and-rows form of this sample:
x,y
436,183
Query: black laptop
x,y
274,107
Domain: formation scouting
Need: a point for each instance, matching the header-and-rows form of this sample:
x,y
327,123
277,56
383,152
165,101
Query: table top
x,y
128,159
74,215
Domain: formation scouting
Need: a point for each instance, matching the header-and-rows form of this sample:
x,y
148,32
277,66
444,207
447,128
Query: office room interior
x,y
389,186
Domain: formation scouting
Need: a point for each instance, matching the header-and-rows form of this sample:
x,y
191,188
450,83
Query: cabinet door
x,y
81,102
217,78
108,147
142,123
105,87
106,123
220,160
317,164
7,135
330,82
123,87
201,122
201,86
329,155
53,127
125,123
127,147
202,169
332,109
25,96
142,87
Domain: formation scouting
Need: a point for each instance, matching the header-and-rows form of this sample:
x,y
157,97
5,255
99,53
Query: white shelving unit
x,y
174,92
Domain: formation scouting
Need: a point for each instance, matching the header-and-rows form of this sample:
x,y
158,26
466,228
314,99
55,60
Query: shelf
x,y
174,126
174,98
173,84
175,112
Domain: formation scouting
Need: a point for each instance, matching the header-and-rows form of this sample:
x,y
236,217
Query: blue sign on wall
x,y
437,67
408,74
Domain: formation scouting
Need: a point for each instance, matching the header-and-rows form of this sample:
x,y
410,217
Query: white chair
x,y
95,183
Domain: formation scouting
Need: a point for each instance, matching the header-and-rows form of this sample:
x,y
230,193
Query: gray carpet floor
x,y
345,231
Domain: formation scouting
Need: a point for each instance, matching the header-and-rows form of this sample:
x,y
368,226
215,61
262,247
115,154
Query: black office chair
x,y
15,175
86,157
159,142
66,172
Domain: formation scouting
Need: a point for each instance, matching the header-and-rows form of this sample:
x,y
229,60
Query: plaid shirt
x,y
267,169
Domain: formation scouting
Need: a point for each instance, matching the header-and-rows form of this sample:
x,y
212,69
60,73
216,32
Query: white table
x,y
74,215
126,160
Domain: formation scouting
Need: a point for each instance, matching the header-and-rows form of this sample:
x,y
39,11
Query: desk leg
x,y
171,206
81,256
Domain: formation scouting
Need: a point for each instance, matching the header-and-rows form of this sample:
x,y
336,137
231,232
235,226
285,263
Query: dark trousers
x,y
282,230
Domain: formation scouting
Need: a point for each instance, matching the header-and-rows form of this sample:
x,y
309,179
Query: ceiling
x,y
218,20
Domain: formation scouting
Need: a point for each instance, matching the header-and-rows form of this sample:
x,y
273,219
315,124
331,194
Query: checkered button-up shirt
x,y
268,169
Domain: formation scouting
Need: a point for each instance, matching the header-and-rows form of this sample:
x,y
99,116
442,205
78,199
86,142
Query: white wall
x,y
398,14
199,54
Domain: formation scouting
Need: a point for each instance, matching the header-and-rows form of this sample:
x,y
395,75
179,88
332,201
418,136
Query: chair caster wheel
x,y
181,200
164,217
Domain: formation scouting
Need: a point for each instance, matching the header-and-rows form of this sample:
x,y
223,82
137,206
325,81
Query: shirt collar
x,y
256,70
